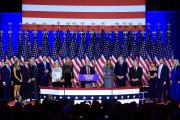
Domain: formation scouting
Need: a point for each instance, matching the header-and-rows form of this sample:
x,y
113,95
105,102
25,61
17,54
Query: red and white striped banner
x,y
108,12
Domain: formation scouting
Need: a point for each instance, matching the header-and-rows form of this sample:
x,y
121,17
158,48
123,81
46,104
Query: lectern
x,y
88,79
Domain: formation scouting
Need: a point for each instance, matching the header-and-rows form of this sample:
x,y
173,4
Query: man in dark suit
x,y
1,83
33,74
6,79
44,70
87,69
26,87
120,70
163,83
135,74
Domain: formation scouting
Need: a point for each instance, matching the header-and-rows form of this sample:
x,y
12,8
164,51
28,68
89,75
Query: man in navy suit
x,y
163,83
87,69
44,72
120,70
6,79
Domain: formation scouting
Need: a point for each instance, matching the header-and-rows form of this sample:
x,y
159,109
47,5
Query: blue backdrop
x,y
153,17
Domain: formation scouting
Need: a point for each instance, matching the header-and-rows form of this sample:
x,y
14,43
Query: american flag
x,y
134,50
168,51
130,41
143,61
68,42
81,51
73,55
45,51
1,47
83,38
159,47
150,46
99,62
124,45
125,55
10,51
111,46
83,11
63,53
35,47
102,40
58,41
27,43
139,40
24,54
19,47
54,52
106,51
116,48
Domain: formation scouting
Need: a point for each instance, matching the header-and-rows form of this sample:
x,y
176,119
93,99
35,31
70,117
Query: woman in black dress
x,y
152,81
17,78
67,70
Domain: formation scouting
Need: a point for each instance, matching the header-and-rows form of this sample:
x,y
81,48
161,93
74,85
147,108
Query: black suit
x,y
135,74
121,70
6,77
162,89
26,87
84,71
33,73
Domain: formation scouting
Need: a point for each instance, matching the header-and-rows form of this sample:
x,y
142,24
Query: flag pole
x,y
82,24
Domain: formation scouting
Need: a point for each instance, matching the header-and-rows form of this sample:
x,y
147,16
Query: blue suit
x,y
84,71
42,76
163,89
6,77
175,88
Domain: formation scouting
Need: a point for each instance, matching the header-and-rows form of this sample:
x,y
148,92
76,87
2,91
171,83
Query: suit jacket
x,y
25,73
164,77
121,70
6,74
133,74
83,70
41,69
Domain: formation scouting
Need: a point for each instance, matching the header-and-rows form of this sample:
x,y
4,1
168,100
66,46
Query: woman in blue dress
x,y
108,74
175,77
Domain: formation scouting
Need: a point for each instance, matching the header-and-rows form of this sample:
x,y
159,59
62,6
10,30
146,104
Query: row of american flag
x,y
96,46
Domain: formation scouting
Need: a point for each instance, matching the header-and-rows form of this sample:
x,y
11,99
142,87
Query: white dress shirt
x,y
56,74
159,71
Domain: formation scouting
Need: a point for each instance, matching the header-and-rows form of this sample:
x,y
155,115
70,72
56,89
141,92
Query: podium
x,y
88,79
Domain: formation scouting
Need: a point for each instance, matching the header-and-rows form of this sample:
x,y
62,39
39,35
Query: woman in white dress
x,y
57,75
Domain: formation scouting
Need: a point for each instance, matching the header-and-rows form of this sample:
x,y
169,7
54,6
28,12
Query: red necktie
x,y
87,70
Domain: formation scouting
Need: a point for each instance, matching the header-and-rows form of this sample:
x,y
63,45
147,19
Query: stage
x,y
124,94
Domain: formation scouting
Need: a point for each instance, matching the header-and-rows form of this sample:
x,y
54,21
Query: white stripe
x,y
88,92
64,21
126,91
65,8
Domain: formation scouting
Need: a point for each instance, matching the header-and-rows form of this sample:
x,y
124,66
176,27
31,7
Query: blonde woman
x,y
108,74
67,75
17,78
56,75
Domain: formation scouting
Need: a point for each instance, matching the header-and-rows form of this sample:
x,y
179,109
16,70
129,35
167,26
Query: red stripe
x,y
84,15
85,2
79,28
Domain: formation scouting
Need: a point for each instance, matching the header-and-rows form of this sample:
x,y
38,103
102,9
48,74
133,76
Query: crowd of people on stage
x,y
27,78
